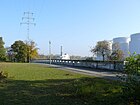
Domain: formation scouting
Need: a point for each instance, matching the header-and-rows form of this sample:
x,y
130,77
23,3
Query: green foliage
x,y
24,52
32,50
3,75
20,50
2,50
132,66
10,54
102,48
131,87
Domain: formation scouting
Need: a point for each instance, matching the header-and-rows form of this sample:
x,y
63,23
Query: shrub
x,y
3,75
131,78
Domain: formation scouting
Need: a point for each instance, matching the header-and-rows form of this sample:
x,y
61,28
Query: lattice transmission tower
x,y
28,20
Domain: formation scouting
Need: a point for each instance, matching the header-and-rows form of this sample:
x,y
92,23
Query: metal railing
x,y
108,65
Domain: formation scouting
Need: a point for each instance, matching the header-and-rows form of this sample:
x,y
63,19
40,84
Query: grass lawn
x,y
32,84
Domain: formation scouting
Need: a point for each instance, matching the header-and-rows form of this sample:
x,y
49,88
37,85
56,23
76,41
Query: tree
x,y
20,51
2,50
10,54
131,78
117,53
102,48
32,50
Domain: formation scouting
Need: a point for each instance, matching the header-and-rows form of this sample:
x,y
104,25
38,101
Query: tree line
x,y
25,51
19,51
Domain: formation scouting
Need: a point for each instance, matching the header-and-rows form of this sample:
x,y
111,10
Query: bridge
x,y
93,64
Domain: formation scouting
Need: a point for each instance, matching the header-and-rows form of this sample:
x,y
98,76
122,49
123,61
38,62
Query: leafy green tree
x,y
132,66
10,54
2,50
102,48
117,53
20,51
32,50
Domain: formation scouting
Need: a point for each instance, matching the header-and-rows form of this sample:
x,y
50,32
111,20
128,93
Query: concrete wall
x,y
110,65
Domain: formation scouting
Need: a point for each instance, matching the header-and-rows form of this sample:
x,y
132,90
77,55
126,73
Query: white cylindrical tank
x,y
120,40
123,43
134,44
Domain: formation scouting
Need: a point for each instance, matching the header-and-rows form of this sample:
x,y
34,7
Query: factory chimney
x,y
61,51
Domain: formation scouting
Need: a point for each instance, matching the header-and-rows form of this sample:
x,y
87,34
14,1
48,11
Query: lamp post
x,y
50,50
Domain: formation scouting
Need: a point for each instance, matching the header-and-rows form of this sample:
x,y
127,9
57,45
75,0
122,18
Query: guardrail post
x,y
114,65
96,65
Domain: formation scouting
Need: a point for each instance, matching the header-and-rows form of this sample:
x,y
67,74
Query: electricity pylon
x,y
28,20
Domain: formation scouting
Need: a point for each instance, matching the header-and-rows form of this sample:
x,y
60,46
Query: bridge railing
x,y
110,65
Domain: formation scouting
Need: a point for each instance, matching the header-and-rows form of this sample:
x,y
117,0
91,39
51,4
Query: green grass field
x,y
32,84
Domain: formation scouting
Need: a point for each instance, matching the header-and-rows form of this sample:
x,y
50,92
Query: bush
x,y
131,86
3,75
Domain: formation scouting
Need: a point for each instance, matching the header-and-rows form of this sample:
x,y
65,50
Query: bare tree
x,y
117,53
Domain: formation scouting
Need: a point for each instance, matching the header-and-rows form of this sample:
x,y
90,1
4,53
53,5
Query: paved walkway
x,y
92,72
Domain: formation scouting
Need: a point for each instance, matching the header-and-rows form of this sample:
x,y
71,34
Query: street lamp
x,y
50,50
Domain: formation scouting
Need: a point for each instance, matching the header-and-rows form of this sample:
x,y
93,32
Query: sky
x,y
74,24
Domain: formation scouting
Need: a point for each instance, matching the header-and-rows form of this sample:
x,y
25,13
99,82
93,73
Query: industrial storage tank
x,y
134,44
123,43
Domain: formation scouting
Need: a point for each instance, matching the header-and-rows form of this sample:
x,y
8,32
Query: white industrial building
x,y
65,57
127,45
123,44
134,44
131,44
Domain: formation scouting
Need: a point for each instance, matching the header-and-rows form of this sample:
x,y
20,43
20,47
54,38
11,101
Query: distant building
x,y
65,57
123,44
134,44
126,44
